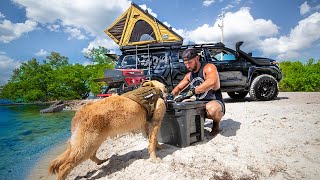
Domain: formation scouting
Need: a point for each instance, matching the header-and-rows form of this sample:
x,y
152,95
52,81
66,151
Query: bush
x,y
300,77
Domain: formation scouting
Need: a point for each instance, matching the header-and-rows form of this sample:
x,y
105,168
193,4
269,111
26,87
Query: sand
x,y
277,139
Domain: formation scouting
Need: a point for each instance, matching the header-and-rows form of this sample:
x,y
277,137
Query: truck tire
x,y
238,95
263,88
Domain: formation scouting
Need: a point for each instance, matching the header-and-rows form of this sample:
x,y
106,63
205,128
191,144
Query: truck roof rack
x,y
167,45
203,45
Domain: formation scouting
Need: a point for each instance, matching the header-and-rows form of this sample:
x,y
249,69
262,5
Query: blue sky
x,y
280,29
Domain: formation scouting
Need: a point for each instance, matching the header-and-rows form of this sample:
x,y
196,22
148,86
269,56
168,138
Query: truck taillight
x,y
132,72
134,80
129,81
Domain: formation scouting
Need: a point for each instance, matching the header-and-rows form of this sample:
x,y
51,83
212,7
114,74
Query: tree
x,y
56,61
99,56
56,79
300,77
70,83
28,82
101,61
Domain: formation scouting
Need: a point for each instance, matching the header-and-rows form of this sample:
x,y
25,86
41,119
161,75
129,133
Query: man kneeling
x,y
204,85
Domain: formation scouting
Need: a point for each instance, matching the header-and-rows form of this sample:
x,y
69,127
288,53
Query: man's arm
x,y
211,79
182,85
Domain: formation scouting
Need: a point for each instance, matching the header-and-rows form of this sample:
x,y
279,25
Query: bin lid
x,y
187,105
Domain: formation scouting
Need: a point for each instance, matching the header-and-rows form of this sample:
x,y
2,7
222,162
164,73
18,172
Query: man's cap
x,y
189,53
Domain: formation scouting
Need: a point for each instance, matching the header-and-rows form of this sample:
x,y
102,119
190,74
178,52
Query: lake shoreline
x,y
72,105
26,134
40,169
34,103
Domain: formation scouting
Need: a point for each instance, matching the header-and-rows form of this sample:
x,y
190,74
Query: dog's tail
x,y
56,163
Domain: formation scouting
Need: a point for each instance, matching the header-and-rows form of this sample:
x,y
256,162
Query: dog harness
x,y
146,96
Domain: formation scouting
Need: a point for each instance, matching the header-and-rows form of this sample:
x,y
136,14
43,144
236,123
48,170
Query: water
x,y
26,134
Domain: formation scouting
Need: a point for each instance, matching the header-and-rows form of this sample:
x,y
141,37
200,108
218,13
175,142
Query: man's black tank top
x,y
196,79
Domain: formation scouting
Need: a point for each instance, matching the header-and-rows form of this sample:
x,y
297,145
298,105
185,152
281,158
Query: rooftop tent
x,y
136,27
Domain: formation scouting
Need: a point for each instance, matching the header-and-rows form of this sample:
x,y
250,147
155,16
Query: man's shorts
x,y
223,107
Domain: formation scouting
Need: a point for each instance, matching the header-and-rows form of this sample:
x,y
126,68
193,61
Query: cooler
x,y
183,123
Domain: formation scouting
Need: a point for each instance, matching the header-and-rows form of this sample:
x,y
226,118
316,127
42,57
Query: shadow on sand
x,y
228,127
117,162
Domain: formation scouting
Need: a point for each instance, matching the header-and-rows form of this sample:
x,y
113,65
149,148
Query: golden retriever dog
x,y
107,118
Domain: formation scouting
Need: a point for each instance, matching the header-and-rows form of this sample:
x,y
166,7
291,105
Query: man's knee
x,y
212,107
214,110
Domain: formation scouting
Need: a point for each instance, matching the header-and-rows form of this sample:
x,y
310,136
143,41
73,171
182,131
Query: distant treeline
x,y
300,77
56,79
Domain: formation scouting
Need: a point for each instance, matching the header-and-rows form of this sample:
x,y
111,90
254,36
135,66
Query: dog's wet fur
x,y
107,118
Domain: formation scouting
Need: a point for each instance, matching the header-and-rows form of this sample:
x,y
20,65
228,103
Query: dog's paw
x,y
160,146
101,162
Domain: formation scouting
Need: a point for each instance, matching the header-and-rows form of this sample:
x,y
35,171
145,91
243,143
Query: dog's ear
x,y
147,83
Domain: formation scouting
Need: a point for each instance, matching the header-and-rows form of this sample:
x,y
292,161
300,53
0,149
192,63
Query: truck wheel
x,y
264,88
237,95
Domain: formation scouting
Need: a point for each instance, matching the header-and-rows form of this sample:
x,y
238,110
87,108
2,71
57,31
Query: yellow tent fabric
x,y
137,27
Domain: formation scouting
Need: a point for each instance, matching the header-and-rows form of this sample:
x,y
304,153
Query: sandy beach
x,y
277,139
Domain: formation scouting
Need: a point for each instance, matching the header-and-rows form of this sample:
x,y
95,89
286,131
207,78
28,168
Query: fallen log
x,y
52,109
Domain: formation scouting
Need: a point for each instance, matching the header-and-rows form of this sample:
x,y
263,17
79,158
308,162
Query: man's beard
x,y
193,69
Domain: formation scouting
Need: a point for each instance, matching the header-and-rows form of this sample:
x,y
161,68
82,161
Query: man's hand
x,y
170,97
189,94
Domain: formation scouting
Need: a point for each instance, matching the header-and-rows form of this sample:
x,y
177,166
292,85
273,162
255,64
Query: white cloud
x,y
75,33
207,2
231,5
10,31
259,34
77,17
288,55
53,27
104,42
304,8
41,53
238,26
301,37
167,24
90,16
1,15
144,7
7,65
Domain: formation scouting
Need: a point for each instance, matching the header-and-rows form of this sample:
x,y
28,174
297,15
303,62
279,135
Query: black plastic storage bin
x,y
183,123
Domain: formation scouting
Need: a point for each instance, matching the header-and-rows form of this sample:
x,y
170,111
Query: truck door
x,y
232,70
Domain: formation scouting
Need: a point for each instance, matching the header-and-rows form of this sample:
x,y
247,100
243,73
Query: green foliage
x,y
300,77
56,79
98,56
